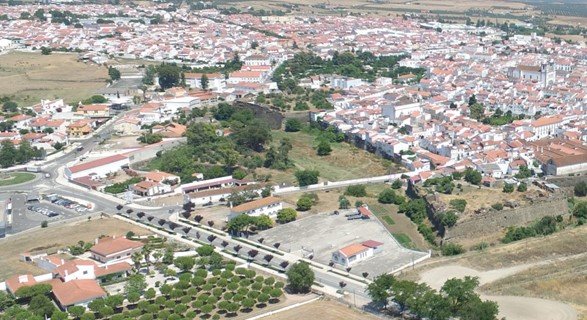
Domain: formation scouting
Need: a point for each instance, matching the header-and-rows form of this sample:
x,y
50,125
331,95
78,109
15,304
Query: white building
x,y
397,109
99,168
344,83
544,74
216,81
265,206
355,253
545,126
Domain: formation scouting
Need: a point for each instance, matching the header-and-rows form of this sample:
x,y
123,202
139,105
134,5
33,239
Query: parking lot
x,y
28,210
322,234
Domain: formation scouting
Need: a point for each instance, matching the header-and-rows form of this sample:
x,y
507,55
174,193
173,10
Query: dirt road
x,y
510,307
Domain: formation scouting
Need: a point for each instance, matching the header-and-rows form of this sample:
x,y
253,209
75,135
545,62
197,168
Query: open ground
x,y
521,275
29,77
345,162
324,310
322,234
55,237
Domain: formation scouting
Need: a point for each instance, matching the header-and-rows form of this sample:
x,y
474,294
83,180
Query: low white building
x,y
216,81
356,252
265,206
99,168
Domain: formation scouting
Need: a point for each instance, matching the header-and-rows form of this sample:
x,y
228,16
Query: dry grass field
x,y
28,77
323,309
485,197
561,275
53,238
345,162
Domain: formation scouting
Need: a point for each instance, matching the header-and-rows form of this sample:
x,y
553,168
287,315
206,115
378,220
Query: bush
x,y
286,215
293,125
458,204
581,189
307,177
427,233
44,224
356,191
473,176
497,206
448,219
508,188
518,233
396,184
580,210
304,203
452,249
522,187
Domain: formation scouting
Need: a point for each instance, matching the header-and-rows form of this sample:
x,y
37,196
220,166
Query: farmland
x,y
28,77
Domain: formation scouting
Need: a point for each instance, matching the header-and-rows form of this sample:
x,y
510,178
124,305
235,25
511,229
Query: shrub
x,y
522,187
448,219
293,125
286,215
396,184
497,206
304,204
458,204
581,189
452,249
356,191
508,188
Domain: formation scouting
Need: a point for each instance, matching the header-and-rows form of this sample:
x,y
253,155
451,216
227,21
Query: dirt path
x,y
510,307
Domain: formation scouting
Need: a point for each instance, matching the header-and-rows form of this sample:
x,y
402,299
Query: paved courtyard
x,y
323,234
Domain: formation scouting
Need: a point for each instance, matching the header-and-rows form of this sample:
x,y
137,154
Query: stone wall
x,y
495,221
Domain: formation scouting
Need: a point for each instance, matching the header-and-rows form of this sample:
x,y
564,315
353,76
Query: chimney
x,y
62,261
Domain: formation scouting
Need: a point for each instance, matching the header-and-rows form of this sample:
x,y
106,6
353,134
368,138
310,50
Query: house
x,y
21,121
51,107
246,76
163,177
355,253
99,168
79,269
171,130
94,110
150,188
545,126
216,81
80,128
109,249
77,292
220,195
265,206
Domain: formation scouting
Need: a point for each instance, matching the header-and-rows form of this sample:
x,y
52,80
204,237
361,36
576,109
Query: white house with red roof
x,y
109,249
99,168
356,252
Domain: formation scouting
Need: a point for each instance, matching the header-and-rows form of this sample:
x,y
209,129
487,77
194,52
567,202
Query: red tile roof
x,y
96,163
77,291
108,246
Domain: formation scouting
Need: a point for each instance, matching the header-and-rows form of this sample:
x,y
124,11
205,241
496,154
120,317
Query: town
x,y
192,161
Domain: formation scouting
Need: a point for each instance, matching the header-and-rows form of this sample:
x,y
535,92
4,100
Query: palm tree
x,y
119,207
276,245
284,264
210,223
186,230
237,248
211,238
146,252
268,258
224,244
252,253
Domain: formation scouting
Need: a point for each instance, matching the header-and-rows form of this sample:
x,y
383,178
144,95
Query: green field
x,y
403,239
388,220
15,178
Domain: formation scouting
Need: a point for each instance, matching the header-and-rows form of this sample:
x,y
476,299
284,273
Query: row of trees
x,y
10,155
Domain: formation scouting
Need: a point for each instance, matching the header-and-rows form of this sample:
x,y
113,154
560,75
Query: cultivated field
x,y
324,310
28,77
345,162
53,238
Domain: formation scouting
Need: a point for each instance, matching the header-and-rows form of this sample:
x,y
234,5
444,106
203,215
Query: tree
x,y
184,263
135,283
580,210
45,51
205,250
522,187
169,75
113,73
300,277
293,125
76,311
286,215
479,310
7,154
40,305
204,81
472,100
397,184
508,188
448,219
580,189
10,107
6,301
387,196
460,292
44,224
379,289
356,191
473,176
307,177
476,111
323,148
304,204
452,249
263,222
343,203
